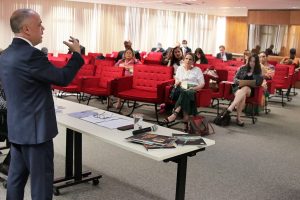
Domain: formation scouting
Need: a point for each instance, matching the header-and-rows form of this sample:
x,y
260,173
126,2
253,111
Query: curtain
x,y
265,35
103,28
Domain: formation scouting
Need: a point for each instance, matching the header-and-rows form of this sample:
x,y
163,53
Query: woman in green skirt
x,y
189,79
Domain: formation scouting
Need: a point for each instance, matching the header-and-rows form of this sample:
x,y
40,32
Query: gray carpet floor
x,y
255,162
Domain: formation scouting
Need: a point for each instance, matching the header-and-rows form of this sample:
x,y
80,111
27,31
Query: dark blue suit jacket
x,y
27,75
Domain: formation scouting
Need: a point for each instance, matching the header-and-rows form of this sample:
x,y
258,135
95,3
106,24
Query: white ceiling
x,y
212,7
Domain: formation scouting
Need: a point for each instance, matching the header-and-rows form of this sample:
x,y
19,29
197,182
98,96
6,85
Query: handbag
x,y
175,93
222,119
212,74
199,125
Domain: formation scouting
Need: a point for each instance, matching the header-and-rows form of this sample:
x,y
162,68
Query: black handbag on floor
x,y
223,119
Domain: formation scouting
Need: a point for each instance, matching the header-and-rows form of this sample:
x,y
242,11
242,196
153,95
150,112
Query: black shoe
x,y
4,169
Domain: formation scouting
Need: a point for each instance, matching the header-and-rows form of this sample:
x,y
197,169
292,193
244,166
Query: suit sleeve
x,y
42,70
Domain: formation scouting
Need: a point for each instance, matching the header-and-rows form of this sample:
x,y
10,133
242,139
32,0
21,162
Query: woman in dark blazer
x,y
250,71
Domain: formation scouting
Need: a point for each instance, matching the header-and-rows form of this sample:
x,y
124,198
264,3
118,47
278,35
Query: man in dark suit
x,y
185,48
158,48
225,56
27,75
127,45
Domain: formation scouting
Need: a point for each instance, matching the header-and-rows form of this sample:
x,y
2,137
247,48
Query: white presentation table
x,y
76,127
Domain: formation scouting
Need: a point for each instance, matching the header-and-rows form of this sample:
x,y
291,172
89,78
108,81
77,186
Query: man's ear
x,y
25,29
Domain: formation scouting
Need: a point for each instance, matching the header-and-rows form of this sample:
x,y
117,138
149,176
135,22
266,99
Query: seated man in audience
x,y
82,49
127,45
269,51
256,50
291,59
225,56
185,48
158,48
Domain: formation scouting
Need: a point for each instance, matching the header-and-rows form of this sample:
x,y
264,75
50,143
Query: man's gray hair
x,y
18,17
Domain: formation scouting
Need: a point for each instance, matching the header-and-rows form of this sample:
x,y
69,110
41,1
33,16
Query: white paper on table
x,y
94,119
82,114
115,123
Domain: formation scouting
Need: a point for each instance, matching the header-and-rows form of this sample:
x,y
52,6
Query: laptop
x,y
250,83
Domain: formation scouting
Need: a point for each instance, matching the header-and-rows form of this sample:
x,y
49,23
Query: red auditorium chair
x,y
153,58
203,67
76,85
280,81
255,100
146,85
59,63
101,84
273,62
105,63
64,55
219,92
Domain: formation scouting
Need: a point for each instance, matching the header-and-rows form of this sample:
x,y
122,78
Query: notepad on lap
x,y
250,83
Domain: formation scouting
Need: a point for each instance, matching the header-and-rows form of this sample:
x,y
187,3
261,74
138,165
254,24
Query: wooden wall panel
x,y
269,17
236,38
295,17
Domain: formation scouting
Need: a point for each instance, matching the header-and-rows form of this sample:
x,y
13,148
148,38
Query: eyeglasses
x,y
102,115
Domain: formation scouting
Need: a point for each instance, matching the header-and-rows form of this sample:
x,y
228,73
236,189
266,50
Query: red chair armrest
x,y
122,84
161,88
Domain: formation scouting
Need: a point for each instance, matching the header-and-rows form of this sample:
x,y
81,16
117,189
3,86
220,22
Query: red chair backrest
x,y
281,73
203,67
51,58
231,72
109,74
63,55
104,63
154,56
94,54
59,63
223,75
273,62
148,77
291,68
87,70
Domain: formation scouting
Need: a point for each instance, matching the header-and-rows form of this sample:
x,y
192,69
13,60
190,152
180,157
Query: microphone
x,y
144,130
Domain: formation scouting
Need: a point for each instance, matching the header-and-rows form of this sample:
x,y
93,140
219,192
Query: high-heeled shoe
x,y
167,121
240,123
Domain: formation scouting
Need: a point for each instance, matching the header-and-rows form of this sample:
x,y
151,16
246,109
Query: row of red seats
x,y
149,81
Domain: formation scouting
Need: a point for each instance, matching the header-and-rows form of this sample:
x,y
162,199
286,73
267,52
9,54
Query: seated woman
x,y
200,57
246,56
291,59
127,62
190,79
250,71
176,57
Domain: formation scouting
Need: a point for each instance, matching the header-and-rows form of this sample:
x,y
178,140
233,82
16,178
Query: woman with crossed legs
x,y
250,71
